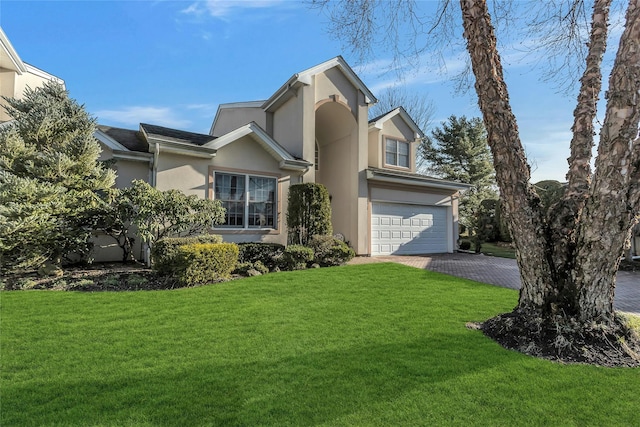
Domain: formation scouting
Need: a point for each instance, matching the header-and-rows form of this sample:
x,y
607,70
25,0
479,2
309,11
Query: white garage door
x,y
401,229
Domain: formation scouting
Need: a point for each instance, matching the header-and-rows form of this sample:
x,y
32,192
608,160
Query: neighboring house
x,y
16,75
314,128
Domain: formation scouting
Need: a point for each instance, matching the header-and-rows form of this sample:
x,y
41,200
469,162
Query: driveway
x,y
504,272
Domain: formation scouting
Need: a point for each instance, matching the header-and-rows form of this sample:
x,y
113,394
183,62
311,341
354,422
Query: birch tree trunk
x,y
613,198
568,261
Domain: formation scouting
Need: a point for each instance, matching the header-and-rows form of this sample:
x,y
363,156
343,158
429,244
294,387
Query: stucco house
x,y
314,128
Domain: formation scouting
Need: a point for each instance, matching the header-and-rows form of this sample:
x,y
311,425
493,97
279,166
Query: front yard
x,y
377,344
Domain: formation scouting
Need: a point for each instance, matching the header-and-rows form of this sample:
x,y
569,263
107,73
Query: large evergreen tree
x,y
458,151
50,179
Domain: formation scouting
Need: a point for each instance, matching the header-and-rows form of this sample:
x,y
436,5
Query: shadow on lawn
x,y
301,390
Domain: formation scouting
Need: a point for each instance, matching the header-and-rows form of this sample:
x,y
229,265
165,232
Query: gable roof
x,y
378,122
305,78
285,159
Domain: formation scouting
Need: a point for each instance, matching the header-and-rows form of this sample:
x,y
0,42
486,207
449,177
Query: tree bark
x,y
564,217
522,205
613,199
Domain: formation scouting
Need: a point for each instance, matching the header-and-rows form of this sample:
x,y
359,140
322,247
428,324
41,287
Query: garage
x,y
405,229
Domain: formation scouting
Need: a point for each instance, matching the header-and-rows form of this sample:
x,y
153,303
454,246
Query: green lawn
x,y
500,250
367,345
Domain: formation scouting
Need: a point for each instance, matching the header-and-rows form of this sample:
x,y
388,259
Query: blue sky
x,y
171,63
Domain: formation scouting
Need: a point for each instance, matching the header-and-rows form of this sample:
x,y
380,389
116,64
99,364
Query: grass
x,y
367,345
502,250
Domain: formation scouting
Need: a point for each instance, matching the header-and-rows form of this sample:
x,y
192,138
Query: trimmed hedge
x,y
268,254
164,251
201,263
329,251
296,257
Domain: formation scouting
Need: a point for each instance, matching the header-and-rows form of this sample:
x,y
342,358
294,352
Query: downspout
x,y
154,183
154,168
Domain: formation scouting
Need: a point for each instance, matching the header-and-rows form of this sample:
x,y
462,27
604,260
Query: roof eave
x,y
135,156
19,66
390,177
295,165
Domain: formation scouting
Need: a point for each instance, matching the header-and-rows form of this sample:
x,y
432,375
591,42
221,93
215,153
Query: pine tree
x,y
458,151
50,179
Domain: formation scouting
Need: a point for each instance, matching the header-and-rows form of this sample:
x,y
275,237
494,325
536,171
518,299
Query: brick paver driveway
x,y
503,272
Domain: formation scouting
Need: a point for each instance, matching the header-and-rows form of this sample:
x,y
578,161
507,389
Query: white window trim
x,y
397,153
247,177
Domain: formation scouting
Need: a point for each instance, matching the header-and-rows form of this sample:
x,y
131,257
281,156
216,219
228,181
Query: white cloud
x,y
224,8
134,115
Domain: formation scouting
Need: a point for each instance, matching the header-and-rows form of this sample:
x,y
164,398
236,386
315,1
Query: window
x,y
250,200
397,153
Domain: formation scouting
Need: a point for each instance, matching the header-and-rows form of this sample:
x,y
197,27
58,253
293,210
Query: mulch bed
x,y
96,277
565,340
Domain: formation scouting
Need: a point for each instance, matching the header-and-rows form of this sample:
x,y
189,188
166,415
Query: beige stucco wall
x,y
288,124
234,117
185,173
13,85
333,82
127,170
246,154
374,142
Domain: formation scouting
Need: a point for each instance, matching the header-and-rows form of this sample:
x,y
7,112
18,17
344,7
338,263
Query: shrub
x,y
308,212
251,269
268,254
296,257
165,250
200,263
329,251
465,245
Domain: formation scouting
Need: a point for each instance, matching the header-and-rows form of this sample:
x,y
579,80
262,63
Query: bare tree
x,y
568,255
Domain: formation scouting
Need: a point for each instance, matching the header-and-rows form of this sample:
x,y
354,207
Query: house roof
x,y
378,122
285,159
408,178
128,139
177,141
304,78
173,135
